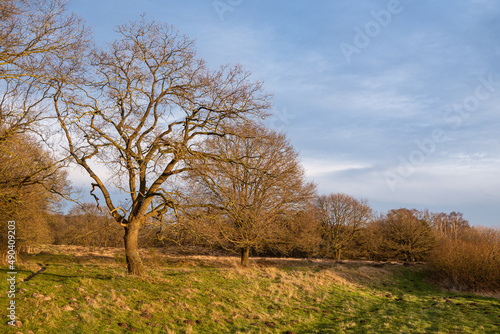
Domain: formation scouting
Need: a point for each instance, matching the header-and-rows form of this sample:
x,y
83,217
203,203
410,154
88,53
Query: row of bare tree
x,y
335,226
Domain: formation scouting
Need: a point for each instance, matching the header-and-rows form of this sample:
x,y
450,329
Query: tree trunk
x,y
3,249
245,252
134,262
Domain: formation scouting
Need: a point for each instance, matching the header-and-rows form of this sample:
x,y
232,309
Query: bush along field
x,y
92,293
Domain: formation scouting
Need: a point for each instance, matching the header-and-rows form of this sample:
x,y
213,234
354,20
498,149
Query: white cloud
x,y
322,167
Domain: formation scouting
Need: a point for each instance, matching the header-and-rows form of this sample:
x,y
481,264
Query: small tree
x,y
142,108
341,217
402,234
251,195
301,235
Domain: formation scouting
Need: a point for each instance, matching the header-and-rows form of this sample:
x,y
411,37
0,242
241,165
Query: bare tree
x,y
87,225
450,225
341,217
29,177
401,234
252,194
301,233
35,36
142,108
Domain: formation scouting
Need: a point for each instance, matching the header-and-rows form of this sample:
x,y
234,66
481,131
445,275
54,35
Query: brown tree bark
x,y
337,253
134,262
245,252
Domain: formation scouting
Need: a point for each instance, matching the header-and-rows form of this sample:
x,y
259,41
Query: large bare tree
x,y
251,187
341,217
142,107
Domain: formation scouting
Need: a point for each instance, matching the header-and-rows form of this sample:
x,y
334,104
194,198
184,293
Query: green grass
x,y
213,296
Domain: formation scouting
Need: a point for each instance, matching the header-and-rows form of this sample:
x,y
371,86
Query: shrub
x,y
400,235
470,263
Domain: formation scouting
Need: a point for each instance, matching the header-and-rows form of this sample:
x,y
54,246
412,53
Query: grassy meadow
x,y
90,292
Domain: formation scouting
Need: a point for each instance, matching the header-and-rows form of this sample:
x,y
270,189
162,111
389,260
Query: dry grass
x,y
179,257
213,294
81,251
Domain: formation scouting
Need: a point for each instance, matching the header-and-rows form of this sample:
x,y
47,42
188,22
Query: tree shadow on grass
x,y
39,275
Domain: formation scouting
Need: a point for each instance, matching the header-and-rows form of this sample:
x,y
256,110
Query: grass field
x,y
92,294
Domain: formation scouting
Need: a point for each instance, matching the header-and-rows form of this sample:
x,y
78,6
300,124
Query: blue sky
x,y
394,101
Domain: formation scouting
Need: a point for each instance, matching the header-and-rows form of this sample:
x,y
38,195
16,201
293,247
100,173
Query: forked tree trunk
x,y
245,252
134,262
337,253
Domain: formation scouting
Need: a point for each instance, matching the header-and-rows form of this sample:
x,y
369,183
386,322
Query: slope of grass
x,y
211,295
